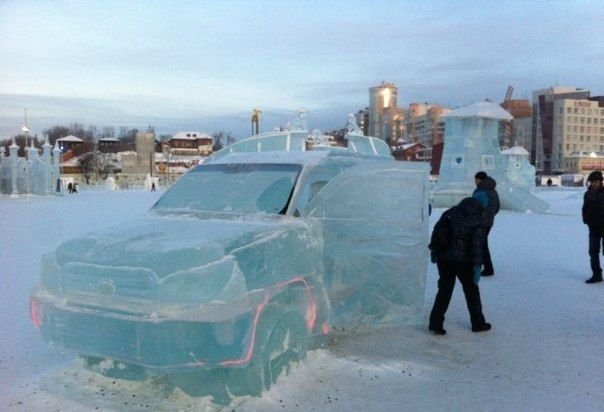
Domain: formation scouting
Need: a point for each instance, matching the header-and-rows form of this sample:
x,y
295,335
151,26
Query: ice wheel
x,y
280,341
287,344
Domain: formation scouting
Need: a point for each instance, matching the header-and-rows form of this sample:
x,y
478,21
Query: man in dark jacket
x,y
487,185
461,259
593,217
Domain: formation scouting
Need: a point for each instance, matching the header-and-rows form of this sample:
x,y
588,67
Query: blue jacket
x,y
488,186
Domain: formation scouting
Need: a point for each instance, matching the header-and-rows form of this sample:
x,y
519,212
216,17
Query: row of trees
x,y
92,133
87,134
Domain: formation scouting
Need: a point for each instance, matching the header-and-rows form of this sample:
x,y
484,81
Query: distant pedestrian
x,y
69,187
75,188
153,186
461,259
549,182
487,184
593,217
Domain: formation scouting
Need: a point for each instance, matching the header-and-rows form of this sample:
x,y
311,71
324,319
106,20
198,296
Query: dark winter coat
x,y
593,209
468,233
488,186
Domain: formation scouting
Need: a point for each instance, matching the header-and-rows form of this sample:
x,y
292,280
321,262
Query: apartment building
x,y
545,145
423,124
578,134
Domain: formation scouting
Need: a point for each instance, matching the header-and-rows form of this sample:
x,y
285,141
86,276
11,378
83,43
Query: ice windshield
x,y
233,188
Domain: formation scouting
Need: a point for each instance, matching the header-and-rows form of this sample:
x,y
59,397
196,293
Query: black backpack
x,y
441,234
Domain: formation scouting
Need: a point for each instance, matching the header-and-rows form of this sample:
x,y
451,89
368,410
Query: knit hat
x,y
482,197
593,176
480,175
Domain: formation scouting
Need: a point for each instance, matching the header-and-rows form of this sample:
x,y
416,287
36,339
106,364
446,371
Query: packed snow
x,y
542,353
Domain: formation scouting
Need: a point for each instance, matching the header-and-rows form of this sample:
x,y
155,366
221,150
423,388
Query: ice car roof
x,y
302,158
292,147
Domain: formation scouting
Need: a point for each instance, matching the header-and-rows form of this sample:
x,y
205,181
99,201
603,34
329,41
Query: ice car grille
x,y
109,281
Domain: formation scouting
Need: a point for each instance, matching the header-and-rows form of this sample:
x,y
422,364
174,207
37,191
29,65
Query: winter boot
x,y
594,279
481,327
438,330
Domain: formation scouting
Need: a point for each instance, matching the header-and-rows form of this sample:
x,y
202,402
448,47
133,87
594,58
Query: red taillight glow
x,y
34,312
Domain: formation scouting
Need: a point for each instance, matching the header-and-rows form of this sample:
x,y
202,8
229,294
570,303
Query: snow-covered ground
x,y
543,353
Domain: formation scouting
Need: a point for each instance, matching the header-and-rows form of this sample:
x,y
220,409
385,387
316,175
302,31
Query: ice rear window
x,y
233,188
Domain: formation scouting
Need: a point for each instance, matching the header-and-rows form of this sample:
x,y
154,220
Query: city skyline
x,y
206,65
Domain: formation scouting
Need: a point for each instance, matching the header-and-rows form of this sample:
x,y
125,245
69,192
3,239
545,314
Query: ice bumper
x,y
167,345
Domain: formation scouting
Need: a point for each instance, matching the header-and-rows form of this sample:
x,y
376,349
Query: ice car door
x,y
375,229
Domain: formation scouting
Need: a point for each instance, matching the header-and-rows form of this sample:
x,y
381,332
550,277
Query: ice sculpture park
x,y
245,263
471,144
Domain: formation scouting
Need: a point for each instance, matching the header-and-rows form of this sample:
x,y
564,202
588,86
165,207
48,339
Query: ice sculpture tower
x,y
471,144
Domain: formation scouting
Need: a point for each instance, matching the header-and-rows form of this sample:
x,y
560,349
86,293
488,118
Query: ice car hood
x,y
165,244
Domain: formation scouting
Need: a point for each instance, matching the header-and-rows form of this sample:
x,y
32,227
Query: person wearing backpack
x,y
461,258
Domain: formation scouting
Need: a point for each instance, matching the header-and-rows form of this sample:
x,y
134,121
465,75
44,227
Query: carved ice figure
x,y
301,120
352,126
471,144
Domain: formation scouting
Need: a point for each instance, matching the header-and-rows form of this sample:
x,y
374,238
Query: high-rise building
x,y
545,146
424,125
386,120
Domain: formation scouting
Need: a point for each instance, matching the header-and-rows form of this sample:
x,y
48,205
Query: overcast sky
x,y
196,65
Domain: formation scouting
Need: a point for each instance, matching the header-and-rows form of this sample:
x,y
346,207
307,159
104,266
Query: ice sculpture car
x,y
242,261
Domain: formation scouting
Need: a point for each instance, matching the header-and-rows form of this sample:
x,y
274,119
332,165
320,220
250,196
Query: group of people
x,y
72,188
466,256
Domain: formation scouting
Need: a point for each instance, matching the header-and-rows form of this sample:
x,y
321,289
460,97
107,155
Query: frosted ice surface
x,y
242,263
471,144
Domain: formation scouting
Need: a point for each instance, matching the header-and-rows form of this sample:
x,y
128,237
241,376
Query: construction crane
x,y
507,124
508,94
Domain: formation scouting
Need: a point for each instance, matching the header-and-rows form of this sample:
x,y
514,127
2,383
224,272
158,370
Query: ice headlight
x,y
218,281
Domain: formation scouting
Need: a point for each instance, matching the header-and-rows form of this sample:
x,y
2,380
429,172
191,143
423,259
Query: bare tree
x,y
107,131
104,167
87,163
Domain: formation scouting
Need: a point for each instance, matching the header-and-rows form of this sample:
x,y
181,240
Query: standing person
x,y
487,185
153,186
461,258
69,187
593,217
